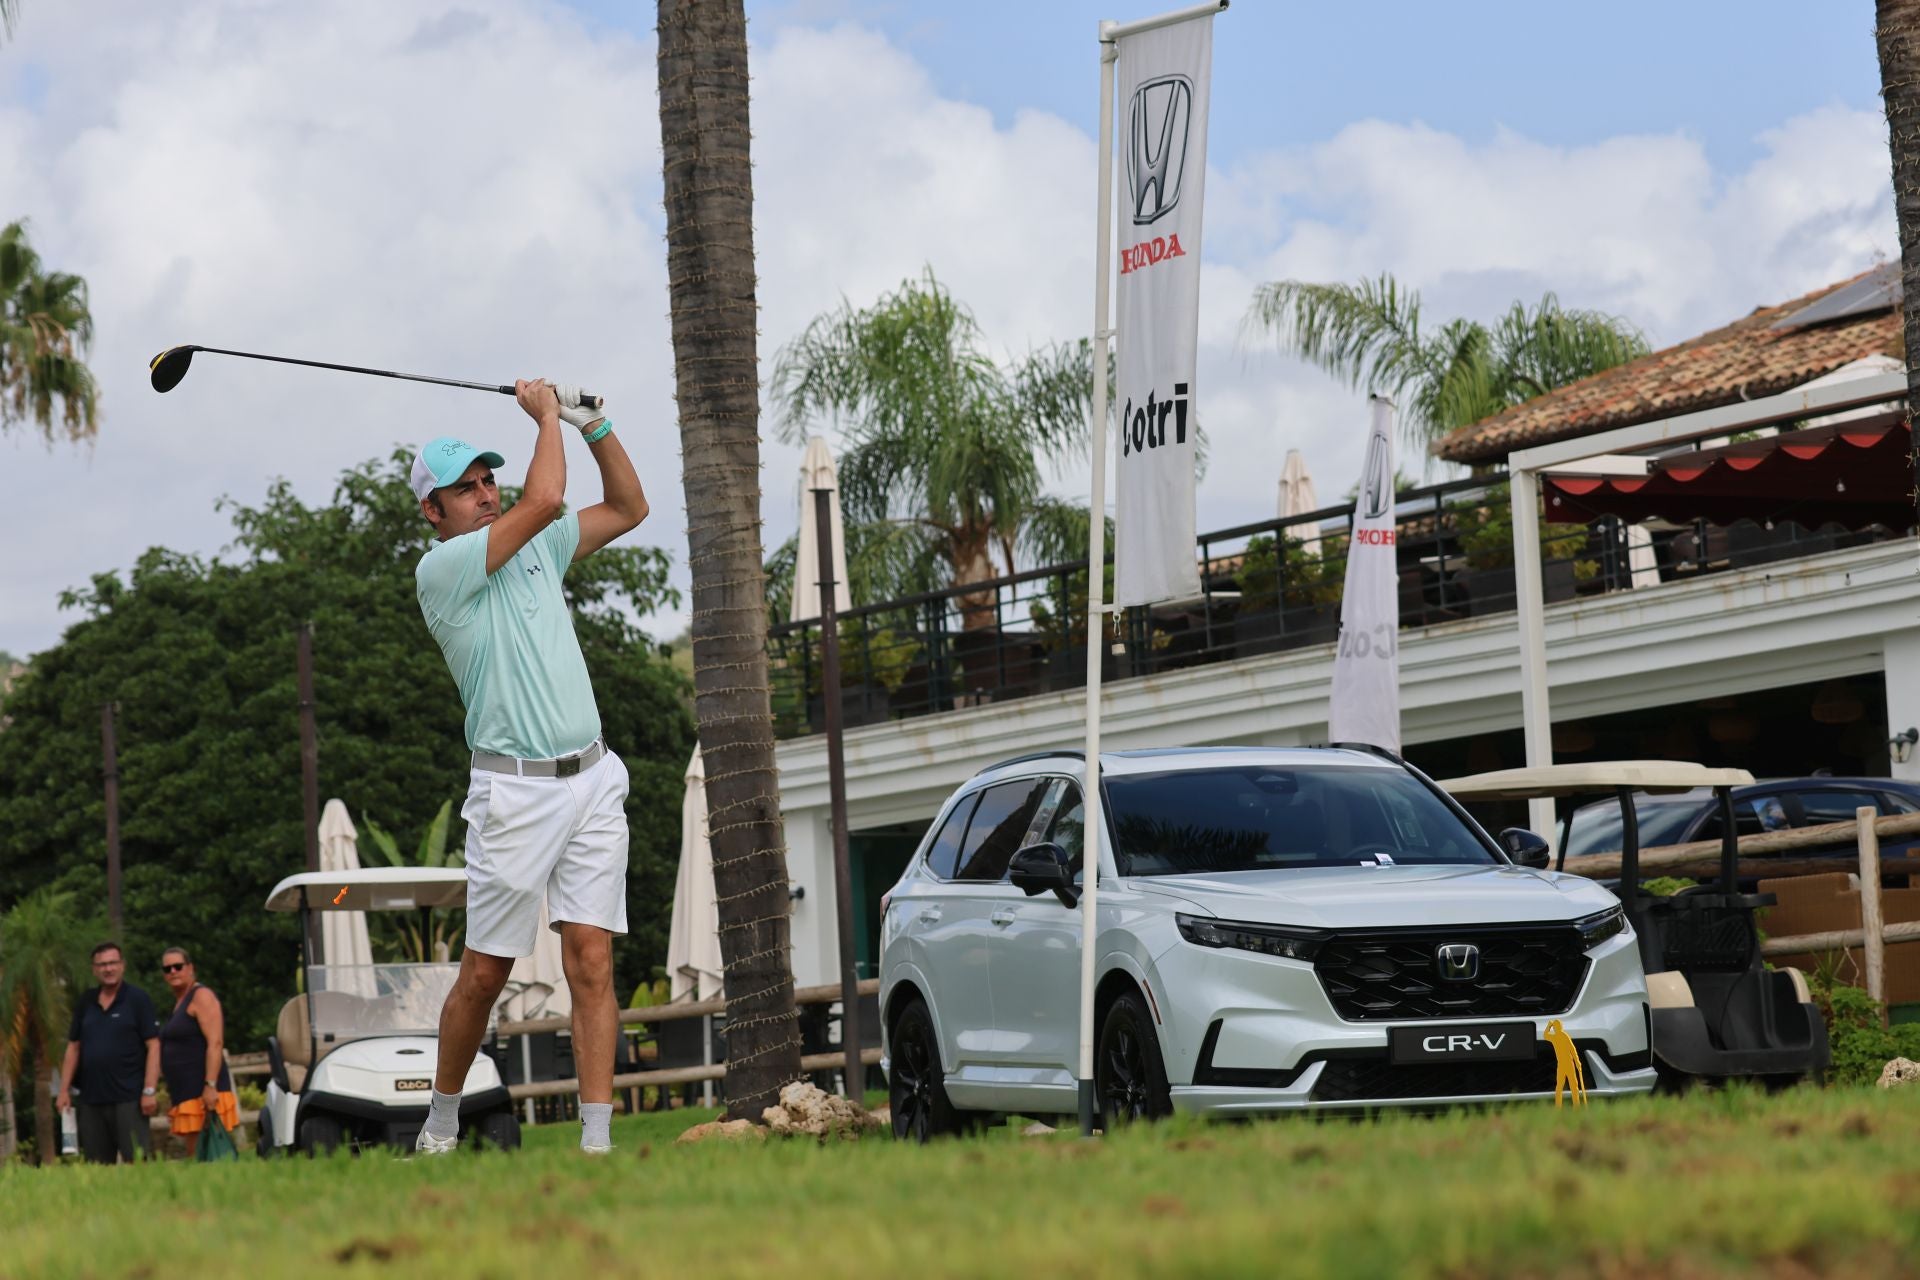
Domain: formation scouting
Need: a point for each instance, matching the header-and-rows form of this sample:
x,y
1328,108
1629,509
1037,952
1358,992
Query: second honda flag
x,y
1164,76
1366,668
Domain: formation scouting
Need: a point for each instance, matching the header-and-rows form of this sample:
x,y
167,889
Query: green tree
x,y
399,934
45,327
944,447
44,946
199,655
1371,334
707,172
1897,39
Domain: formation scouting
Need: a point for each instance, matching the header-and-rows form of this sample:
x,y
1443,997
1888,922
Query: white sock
x,y
596,1124
443,1118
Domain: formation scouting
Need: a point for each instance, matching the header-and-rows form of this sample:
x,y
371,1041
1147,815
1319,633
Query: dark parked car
x,y
1774,805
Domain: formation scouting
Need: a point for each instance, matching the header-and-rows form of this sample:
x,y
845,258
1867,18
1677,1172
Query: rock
x,y
723,1130
1898,1072
807,1109
1037,1129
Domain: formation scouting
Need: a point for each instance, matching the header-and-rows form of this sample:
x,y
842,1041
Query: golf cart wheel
x,y
263,1144
320,1135
498,1130
1130,1076
916,1085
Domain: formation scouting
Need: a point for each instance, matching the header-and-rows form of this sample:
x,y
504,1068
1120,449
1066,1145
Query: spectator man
x,y
114,1048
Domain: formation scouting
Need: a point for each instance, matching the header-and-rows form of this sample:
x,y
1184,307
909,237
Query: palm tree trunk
x,y
704,139
1897,33
46,1121
973,562
9,1121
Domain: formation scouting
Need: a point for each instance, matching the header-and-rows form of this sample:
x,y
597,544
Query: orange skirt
x,y
191,1116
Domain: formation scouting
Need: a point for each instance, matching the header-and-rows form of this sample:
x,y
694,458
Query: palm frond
x,y
1366,334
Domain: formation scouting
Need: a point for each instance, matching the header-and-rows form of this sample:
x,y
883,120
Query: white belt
x,y
564,767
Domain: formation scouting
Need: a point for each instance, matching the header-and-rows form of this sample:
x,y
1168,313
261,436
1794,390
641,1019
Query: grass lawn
x,y
1805,1183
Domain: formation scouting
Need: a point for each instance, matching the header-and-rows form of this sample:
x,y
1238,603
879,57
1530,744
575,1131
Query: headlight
x,y
1267,939
1601,925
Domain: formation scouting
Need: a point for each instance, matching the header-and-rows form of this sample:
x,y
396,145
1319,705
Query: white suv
x,y
1279,930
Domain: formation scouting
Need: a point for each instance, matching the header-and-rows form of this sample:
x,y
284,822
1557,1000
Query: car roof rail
x,y
1367,747
1034,755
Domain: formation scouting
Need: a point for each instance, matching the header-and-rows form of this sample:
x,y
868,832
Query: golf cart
x,y
353,1060
1717,1011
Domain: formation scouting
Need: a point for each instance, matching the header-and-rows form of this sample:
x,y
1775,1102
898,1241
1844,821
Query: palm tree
x,y
44,327
43,964
943,446
1371,335
1897,33
705,138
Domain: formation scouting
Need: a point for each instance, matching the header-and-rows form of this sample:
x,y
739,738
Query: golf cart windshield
x,y
1597,827
355,1001
1196,821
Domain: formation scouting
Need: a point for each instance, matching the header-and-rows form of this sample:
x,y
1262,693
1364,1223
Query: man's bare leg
x,y
586,953
463,1021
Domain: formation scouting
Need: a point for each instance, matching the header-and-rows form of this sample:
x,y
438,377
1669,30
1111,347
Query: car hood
x,y
1385,897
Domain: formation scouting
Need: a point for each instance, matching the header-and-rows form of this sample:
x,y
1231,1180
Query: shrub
x,y
1861,1046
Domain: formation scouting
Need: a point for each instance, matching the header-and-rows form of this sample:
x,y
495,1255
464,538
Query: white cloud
x,y
471,189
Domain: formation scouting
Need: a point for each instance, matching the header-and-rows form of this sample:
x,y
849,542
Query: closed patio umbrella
x,y
343,934
817,471
693,937
1297,496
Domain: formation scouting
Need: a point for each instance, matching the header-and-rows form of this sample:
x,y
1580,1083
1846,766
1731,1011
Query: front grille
x,y
1525,970
1374,1079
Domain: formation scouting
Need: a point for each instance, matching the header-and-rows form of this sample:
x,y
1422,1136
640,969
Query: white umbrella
x,y
1297,496
343,934
693,938
817,471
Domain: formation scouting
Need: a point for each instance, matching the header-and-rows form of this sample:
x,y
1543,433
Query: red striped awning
x,y
1855,474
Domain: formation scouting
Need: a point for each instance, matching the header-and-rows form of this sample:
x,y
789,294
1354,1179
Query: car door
x,y
978,905
926,915
1036,973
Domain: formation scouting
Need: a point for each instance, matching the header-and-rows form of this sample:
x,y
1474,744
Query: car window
x,y
1596,826
1750,818
1255,818
1898,804
999,827
1069,827
1819,807
943,855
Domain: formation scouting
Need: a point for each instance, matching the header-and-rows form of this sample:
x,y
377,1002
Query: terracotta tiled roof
x,y
1745,360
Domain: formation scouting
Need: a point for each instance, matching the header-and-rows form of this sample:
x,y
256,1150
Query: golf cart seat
x,y
291,1050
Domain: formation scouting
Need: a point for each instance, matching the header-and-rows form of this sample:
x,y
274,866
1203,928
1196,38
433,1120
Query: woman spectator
x,y
193,1053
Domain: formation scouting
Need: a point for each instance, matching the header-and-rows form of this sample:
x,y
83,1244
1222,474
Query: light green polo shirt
x,y
508,639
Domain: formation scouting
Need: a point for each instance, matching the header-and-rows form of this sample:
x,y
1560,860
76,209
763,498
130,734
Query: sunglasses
x,y
176,967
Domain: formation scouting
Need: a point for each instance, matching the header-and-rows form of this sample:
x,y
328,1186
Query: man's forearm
x,y
547,473
619,483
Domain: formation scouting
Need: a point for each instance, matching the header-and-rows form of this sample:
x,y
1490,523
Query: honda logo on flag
x,y
1158,121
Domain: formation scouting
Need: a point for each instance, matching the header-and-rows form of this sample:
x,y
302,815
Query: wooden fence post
x,y
1871,923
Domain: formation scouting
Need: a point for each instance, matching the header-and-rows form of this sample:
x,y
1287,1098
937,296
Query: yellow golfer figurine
x,y
1567,1072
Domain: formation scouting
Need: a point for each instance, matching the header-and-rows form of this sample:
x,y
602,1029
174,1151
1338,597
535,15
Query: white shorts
x,y
566,837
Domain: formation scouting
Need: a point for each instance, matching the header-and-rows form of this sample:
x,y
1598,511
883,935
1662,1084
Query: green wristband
x,y
606,425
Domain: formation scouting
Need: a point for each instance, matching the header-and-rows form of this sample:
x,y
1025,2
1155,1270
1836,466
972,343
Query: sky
x,y
470,188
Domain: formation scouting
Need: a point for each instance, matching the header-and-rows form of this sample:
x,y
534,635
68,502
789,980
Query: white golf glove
x,y
571,410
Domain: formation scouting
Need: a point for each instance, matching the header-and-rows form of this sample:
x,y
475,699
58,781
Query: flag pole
x,y
1096,580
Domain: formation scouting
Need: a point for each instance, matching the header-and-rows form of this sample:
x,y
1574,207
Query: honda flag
x,y
1164,74
1366,669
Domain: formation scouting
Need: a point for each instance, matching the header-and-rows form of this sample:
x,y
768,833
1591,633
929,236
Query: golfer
x,y
545,807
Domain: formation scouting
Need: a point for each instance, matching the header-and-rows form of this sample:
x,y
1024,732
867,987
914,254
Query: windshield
x,y
353,1001
1257,819
1596,826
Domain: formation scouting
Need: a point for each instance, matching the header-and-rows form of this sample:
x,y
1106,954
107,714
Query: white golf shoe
x,y
428,1145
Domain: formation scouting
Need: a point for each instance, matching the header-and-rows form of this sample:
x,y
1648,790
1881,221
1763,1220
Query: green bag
x,y
216,1141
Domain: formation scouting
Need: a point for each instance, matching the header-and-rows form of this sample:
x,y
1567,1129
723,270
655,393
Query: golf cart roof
x,y
1592,776
372,889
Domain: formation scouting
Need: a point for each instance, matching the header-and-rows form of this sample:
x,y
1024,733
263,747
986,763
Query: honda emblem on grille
x,y
1457,961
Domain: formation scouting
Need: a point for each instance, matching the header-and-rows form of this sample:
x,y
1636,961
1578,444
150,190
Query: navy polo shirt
x,y
113,1045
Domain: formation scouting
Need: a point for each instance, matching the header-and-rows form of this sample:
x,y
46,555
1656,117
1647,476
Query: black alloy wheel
x,y
916,1083
1130,1077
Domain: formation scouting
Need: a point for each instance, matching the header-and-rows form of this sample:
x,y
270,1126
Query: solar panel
x,y
1875,291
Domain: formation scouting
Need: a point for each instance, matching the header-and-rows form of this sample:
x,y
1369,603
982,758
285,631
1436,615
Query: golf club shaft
x,y
587,401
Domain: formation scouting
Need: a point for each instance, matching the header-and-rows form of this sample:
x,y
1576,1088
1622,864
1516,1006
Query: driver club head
x,y
170,366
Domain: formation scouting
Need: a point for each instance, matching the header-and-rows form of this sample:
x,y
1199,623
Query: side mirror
x,y
1526,848
1043,868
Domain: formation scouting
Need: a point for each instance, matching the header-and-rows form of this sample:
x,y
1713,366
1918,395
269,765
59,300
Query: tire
x,y
1129,1074
263,1143
499,1131
320,1135
916,1084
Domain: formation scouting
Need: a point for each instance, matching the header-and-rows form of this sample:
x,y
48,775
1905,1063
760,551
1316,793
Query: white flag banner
x,y
1164,76
1366,668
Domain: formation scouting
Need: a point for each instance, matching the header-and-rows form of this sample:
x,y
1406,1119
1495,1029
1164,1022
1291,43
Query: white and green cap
x,y
443,461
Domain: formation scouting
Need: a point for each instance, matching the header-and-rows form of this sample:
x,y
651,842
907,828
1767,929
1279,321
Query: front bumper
x,y
1265,1037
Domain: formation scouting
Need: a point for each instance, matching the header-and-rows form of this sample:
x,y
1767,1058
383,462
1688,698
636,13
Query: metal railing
x,y
1268,586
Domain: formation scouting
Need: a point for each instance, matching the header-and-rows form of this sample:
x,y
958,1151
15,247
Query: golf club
x,y
170,366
